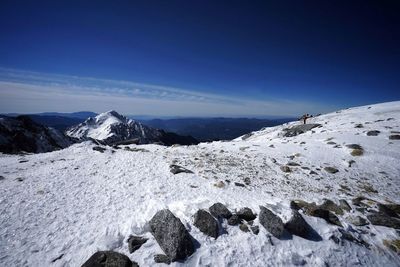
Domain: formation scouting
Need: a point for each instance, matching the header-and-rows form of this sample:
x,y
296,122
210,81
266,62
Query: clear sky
x,y
198,58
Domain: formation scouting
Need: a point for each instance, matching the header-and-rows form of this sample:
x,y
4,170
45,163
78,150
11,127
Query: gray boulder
x,y
327,215
161,258
220,210
271,222
109,259
171,235
206,223
175,169
234,220
373,133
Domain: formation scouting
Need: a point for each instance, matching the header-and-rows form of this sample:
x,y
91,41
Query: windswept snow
x,y
74,202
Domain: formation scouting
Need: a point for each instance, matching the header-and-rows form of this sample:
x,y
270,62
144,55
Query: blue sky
x,y
198,58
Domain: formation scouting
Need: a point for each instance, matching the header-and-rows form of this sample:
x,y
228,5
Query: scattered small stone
x,y
394,137
297,260
57,258
108,259
271,222
313,173
20,179
244,227
354,146
272,146
285,168
331,143
2,178
99,149
373,133
359,126
293,164
246,214
206,223
219,184
23,160
161,258
135,242
239,184
247,181
331,170
220,210
234,220
301,204
273,160
350,163
255,229
175,169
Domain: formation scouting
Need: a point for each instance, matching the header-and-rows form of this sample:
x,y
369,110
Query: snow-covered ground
x,y
74,202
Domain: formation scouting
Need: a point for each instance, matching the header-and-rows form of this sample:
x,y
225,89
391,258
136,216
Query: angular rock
x,y
161,258
357,152
331,206
331,170
220,210
109,259
99,148
135,242
293,164
301,204
384,220
358,221
297,225
385,209
271,222
239,184
206,223
327,215
394,207
175,169
171,235
234,220
354,146
246,214
344,205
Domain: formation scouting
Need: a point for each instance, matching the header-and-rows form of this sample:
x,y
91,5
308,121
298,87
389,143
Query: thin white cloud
x,y
31,92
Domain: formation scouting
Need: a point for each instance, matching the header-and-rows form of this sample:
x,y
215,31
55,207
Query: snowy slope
x,y
111,127
71,203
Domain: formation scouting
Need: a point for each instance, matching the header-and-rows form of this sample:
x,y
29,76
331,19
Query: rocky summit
x,y
290,195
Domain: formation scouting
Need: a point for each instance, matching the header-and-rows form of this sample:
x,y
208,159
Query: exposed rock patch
x,y
206,223
109,259
271,222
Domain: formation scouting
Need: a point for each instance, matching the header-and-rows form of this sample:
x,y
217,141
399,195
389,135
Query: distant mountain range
x,y
209,129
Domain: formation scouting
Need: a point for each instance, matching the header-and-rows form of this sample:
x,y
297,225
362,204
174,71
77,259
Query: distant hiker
x,y
305,117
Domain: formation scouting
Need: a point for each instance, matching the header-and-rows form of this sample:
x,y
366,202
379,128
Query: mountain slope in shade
x,y
21,134
111,127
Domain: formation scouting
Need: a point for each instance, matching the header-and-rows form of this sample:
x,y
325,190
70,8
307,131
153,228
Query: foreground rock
x,y
206,223
271,222
171,235
109,259
220,210
327,215
161,258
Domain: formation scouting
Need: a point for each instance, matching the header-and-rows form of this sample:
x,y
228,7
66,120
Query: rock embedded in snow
x,y
234,220
327,215
109,259
384,220
271,222
99,149
246,214
206,223
344,205
357,221
171,235
299,129
220,210
161,258
285,168
357,152
244,228
175,169
255,229
331,170
298,226
394,137
331,206
373,133
135,242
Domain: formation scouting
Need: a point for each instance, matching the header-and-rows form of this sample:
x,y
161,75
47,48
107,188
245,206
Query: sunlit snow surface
x,y
77,201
